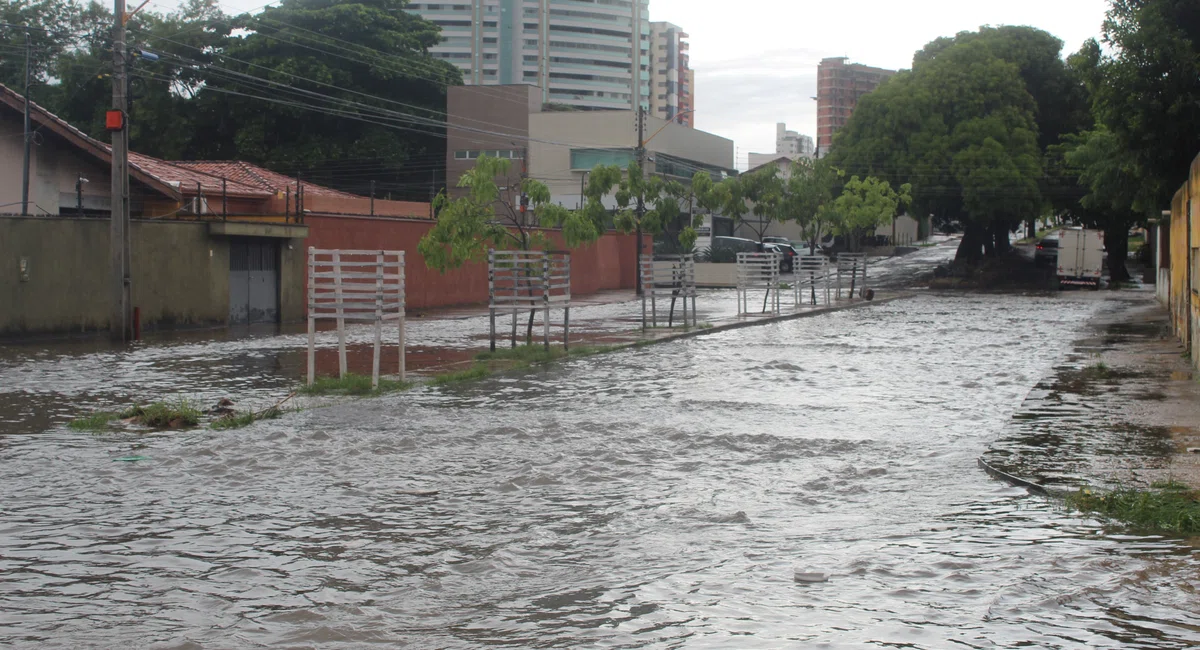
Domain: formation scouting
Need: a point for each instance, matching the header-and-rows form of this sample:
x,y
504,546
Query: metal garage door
x,y
253,281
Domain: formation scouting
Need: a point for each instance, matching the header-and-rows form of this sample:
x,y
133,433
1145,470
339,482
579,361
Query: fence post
x,y
403,306
546,300
312,323
379,268
567,308
341,321
492,296
642,272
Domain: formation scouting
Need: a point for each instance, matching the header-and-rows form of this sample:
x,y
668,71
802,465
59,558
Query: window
x,y
474,154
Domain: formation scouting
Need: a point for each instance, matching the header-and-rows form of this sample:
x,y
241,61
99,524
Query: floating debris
x,y
811,576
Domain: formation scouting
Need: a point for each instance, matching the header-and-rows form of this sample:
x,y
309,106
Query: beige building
x,y
560,147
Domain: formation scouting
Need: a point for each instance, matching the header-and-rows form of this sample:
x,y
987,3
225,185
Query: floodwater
x,y
47,384
659,497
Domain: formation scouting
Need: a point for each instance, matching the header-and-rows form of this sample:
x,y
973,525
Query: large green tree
x,y
344,92
970,127
309,84
1145,88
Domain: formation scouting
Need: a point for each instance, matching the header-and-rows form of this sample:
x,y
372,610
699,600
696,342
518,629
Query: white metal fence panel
x,y
851,272
529,281
758,271
668,277
355,285
812,280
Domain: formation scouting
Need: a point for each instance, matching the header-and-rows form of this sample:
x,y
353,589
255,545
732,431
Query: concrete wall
x,y
609,263
1184,292
1179,303
709,274
180,275
1193,259
1162,264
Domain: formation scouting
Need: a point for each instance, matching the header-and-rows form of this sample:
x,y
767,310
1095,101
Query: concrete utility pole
x,y
121,325
28,135
641,203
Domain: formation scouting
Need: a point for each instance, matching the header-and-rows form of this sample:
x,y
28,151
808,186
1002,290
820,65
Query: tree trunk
x,y
969,247
988,238
1116,242
1000,230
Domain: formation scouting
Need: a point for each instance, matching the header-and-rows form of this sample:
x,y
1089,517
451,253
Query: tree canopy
x,y
968,128
1145,88
343,92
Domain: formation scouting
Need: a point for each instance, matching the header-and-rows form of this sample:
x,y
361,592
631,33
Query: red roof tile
x,y
186,178
253,175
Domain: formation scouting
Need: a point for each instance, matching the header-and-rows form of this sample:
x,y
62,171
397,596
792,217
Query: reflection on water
x,y
651,498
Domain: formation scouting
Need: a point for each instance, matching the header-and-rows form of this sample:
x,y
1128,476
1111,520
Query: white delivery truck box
x,y
1080,257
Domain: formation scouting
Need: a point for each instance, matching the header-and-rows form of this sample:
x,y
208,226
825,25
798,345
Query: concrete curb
x,y
694,332
1014,480
697,331
1036,488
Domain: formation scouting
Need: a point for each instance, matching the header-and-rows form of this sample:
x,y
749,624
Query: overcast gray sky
x,y
756,60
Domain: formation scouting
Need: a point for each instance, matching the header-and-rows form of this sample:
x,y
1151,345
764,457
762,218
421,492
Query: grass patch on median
x,y
164,415
239,420
1166,507
478,371
353,384
94,422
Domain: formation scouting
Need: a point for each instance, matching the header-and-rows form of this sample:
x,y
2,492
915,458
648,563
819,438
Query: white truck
x,y
1080,257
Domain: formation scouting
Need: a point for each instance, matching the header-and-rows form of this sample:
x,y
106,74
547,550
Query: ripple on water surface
x,y
652,498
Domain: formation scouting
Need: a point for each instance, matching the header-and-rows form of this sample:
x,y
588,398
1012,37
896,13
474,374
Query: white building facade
x,y
588,54
671,76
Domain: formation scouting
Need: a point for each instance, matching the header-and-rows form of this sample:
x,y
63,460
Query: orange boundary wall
x,y
608,263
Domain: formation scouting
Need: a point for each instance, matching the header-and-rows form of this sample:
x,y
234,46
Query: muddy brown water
x,y
657,498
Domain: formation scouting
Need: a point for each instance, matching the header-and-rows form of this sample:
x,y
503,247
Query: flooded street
x,y
657,497
44,385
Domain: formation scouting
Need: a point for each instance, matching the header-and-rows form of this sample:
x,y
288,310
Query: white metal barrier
x,y
812,280
671,277
355,285
852,267
758,271
527,281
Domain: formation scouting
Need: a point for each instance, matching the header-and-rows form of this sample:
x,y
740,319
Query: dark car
x,y
787,253
1046,253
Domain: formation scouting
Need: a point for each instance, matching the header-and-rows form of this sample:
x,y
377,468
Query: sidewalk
x,y
1124,407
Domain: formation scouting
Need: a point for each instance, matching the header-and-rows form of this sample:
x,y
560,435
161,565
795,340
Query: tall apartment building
x,y
590,54
839,87
788,144
791,143
671,77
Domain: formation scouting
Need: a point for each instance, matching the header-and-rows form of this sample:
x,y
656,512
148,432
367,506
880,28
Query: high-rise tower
x,y
589,54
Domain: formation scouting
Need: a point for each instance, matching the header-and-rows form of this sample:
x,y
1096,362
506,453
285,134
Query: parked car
x,y
725,249
787,253
1047,251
